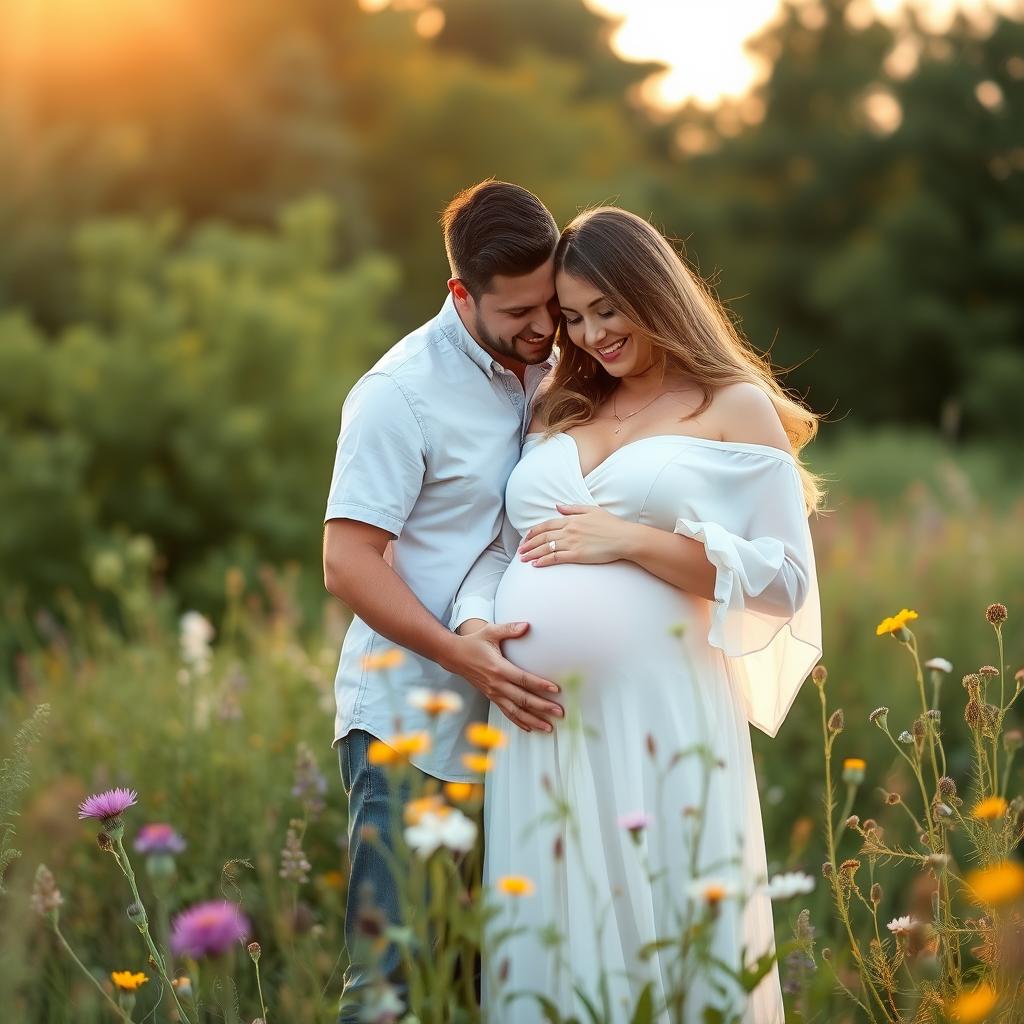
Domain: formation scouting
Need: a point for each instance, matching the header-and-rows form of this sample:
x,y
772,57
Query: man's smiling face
x,y
516,317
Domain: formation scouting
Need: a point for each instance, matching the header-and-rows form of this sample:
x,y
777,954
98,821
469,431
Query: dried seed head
x,y
947,787
804,929
972,713
104,842
934,715
837,721
826,954
892,799
853,821
876,894
826,870
255,950
996,614
849,867
918,728
46,898
878,717
971,679
989,720
819,675
988,671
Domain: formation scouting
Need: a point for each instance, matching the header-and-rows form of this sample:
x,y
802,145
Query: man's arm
x,y
355,572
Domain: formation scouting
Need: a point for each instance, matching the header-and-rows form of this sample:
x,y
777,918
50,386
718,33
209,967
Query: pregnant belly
x,y
589,619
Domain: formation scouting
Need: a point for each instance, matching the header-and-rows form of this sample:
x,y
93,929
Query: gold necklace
x,y
622,419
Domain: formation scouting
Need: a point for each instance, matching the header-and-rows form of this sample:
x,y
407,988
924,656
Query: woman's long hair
x,y
647,281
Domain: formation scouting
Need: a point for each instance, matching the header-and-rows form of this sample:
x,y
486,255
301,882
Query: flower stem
x,y
125,865
85,970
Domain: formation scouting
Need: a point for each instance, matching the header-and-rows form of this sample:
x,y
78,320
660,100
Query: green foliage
x,y
195,401
882,260
14,781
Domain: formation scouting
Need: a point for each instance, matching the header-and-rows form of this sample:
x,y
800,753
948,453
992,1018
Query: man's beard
x,y
508,348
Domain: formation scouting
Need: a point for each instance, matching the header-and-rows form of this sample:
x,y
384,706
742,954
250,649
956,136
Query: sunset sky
x,y
703,42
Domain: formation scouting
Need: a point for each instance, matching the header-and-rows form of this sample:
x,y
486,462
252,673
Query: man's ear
x,y
459,291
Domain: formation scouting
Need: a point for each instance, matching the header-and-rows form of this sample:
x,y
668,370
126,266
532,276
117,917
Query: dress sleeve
x,y
766,615
475,599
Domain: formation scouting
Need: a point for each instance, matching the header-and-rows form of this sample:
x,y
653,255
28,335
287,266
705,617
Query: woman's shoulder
x,y
745,413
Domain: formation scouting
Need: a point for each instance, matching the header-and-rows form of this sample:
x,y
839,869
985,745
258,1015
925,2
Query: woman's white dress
x,y
652,679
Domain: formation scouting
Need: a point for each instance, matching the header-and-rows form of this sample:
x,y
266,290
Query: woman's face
x,y
601,330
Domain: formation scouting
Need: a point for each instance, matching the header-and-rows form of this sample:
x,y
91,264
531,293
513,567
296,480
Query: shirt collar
x,y
454,330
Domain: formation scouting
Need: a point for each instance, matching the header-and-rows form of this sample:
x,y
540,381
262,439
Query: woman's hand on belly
x,y
586,535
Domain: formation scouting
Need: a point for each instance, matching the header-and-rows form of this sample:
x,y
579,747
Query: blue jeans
x,y
372,891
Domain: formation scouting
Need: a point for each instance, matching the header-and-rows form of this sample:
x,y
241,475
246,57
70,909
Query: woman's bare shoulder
x,y
744,412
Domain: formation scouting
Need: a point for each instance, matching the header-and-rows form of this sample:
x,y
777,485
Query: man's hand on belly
x,y
477,657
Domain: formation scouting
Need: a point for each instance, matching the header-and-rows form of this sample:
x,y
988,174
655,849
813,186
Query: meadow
x,y
224,731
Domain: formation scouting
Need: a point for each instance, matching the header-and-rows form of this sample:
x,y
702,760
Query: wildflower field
x,y
174,832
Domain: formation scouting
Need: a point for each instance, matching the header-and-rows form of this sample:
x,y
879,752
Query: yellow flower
x,y
479,763
435,702
989,809
399,747
415,809
461,792
975,1005
333,879
480,734
894,623
126,981
1001,883
515,885
386,659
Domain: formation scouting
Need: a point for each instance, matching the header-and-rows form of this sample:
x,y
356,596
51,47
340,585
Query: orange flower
x,y
975,1005
990,809
461,792
398,748
480,734
415,809
1001,883
894,623
478,763
515,885
385,659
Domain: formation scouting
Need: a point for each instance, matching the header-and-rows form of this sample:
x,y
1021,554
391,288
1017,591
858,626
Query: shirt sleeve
x,y
475,599
766,615
381,457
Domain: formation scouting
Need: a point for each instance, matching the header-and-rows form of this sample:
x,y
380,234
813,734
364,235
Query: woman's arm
x,y
590,535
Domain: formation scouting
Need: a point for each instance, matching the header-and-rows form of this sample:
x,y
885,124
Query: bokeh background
x,y
215,215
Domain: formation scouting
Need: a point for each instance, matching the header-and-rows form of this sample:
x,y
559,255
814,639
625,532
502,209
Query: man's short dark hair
x,y
496,228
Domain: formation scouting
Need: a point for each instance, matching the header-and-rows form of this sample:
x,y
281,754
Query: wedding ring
x,y
552,545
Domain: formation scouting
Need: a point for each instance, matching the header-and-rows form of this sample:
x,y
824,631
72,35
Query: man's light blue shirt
x,y
428,439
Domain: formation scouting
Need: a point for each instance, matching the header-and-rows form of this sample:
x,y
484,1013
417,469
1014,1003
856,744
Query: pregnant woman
x,y
657,543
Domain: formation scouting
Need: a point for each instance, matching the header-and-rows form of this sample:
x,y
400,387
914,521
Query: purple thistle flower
x,y
208,929
158,837
110,804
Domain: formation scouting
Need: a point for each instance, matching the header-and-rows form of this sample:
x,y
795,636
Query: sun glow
x,y
703,44
81,32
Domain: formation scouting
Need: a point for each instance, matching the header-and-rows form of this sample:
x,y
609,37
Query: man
x,y
428,439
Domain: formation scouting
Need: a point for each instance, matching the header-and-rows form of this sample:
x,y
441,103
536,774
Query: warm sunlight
x,y
703,44
47,32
